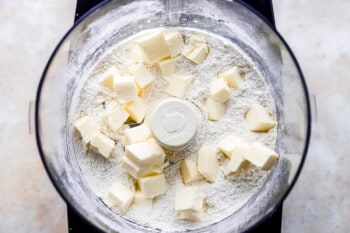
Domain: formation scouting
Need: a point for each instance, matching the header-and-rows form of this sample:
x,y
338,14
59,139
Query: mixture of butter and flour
x,y
175,129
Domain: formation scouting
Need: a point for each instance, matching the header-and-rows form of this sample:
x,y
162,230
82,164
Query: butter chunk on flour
x,y
87,127
175,43
154,47
137,109
120,196
178,85
103,144
152,186
143,76
114,116
189,171
261,156
137,134
208,164
146,153
216,110
108,77
232,77
219,90
197,51
228,144
125,88
189,204
258,119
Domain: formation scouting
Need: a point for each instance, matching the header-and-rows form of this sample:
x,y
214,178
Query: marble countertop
x,y
317,31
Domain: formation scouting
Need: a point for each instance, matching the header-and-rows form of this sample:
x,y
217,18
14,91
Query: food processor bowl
x,y
111,22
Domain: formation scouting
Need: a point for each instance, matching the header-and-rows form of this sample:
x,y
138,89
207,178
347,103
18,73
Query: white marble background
x,y
317,30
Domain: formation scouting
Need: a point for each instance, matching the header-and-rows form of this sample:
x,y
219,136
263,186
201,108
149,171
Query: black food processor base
x,y
270,225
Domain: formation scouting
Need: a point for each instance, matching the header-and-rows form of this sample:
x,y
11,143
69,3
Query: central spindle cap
x,y
174,123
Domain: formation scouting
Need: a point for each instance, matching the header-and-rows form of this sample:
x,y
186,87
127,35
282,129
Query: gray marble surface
x,y
319,34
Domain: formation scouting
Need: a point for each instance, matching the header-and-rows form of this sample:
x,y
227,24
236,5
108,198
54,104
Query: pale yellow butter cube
x,y
103,144
137,109
175,43
258,119
238,161
152,186
178,85
137,134
189,171
125,88
146,153
216,110
143,76
120,196
219,90
197,51
108,77
261,156
228,144
208,164
87,127
232,77
168,67
189,204
136,171
135,53
142,201
115,116
154,47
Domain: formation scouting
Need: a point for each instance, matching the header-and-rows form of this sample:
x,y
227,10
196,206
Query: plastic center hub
x,y
174,123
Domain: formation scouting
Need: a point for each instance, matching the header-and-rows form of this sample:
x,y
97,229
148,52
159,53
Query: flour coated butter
x,y
206,57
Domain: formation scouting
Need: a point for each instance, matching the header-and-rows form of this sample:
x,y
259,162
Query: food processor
x,y
108,23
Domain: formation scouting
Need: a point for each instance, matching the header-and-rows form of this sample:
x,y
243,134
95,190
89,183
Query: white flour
x,y
227,194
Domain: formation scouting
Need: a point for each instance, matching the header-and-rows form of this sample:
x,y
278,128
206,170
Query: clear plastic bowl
x,y
103,27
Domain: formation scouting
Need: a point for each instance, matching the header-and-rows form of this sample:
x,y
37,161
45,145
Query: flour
x,y
227,194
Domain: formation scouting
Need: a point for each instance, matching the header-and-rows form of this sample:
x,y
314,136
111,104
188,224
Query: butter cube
x,y
228,145
141,200
189,204
258,119
168,67
154,47
189,171
103,144
146,153
152,186
137,171
238,161
121,196
137,134
175,43
135,54
261,156
216,110
108,77
142,76
178,85
115,116
197,51
136,109
232,77
219,90
86,127
208,164
125,88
